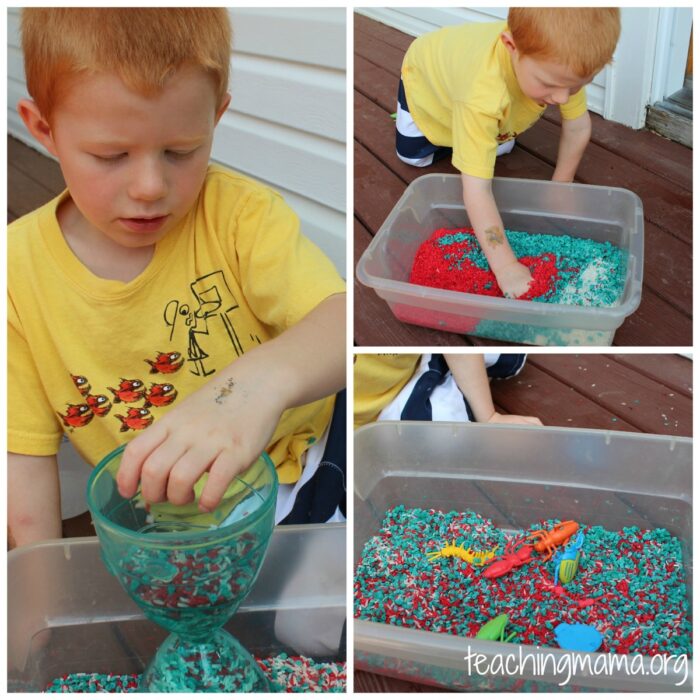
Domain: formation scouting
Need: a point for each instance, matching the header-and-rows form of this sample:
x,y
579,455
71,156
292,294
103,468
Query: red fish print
x,y
166,363
135,419
77,415
99,404
81,384
160,395
129,391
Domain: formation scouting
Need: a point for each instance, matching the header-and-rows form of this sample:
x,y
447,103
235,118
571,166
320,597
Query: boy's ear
x,y
37,126
507,39
223,107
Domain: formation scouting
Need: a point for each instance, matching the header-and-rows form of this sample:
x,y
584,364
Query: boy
x,y
158,300
473,88
434,387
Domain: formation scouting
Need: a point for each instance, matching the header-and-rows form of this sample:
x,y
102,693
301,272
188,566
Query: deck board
x,y
631,393
657,170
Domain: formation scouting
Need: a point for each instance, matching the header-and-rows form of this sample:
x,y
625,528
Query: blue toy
x,y
578,637
566,561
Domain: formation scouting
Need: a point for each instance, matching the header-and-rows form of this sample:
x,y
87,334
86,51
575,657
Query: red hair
x,y
581,38
143,47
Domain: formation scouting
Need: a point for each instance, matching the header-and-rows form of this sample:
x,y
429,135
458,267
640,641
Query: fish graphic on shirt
x,y
135,419
99,404
166,363
81,384
76,416
129,391
160,395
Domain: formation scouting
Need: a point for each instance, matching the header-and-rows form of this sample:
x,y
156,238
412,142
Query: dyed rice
x,y
565,270
636,577
296,674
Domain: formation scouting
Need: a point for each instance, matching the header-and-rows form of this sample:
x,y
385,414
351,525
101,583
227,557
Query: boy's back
x,y
462,92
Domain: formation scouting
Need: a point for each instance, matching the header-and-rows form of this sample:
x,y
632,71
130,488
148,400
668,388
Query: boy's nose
x,y
147,182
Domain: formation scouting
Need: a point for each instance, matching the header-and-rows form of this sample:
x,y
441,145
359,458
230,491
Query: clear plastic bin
x,y
515,475
435,201
67,614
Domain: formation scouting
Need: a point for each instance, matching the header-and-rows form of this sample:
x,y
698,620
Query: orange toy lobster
x,y
548,541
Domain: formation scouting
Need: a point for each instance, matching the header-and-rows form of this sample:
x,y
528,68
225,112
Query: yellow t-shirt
x,y
100,360
378,379
462,92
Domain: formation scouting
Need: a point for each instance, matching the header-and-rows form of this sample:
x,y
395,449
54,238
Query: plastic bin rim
x,y
530,181
94,540
645,437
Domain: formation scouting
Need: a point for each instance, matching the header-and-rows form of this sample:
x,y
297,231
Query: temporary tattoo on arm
x,y
494,235
225,391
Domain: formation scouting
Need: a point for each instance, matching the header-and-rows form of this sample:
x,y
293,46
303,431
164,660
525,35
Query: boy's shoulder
x,y
469,37
26,230
229,187
235,203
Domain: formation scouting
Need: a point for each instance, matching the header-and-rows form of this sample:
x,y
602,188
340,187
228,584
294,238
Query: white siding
x,y
286,123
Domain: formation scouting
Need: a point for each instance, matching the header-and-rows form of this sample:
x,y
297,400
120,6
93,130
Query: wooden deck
x,y
633,393
32,179
657,170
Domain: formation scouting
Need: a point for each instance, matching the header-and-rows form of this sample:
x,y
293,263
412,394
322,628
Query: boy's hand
x,y
222,428
514,279
513,420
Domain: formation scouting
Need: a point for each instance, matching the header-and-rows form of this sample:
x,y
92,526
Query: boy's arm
x,y
471,378
575,135
225,425
33,499
513,277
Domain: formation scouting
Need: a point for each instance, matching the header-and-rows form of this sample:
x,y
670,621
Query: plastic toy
x,y
548,541
469,555
561,592
495,629
578,637
566,562
514,555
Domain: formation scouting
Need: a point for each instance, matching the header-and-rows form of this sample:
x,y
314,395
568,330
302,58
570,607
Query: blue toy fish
x,y
566,561
578,637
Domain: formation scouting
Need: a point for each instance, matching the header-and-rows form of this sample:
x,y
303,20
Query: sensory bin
x,y
296,674
565,270
634,577
552,209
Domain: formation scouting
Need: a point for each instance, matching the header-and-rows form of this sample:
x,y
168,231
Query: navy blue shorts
x,y
418,405
325,492
412,146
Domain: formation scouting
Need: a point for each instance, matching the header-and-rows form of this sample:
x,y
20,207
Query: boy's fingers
x,y
225,467
133,457
185,473
156,470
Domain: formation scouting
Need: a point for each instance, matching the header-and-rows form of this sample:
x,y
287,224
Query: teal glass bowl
x,y
189,576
